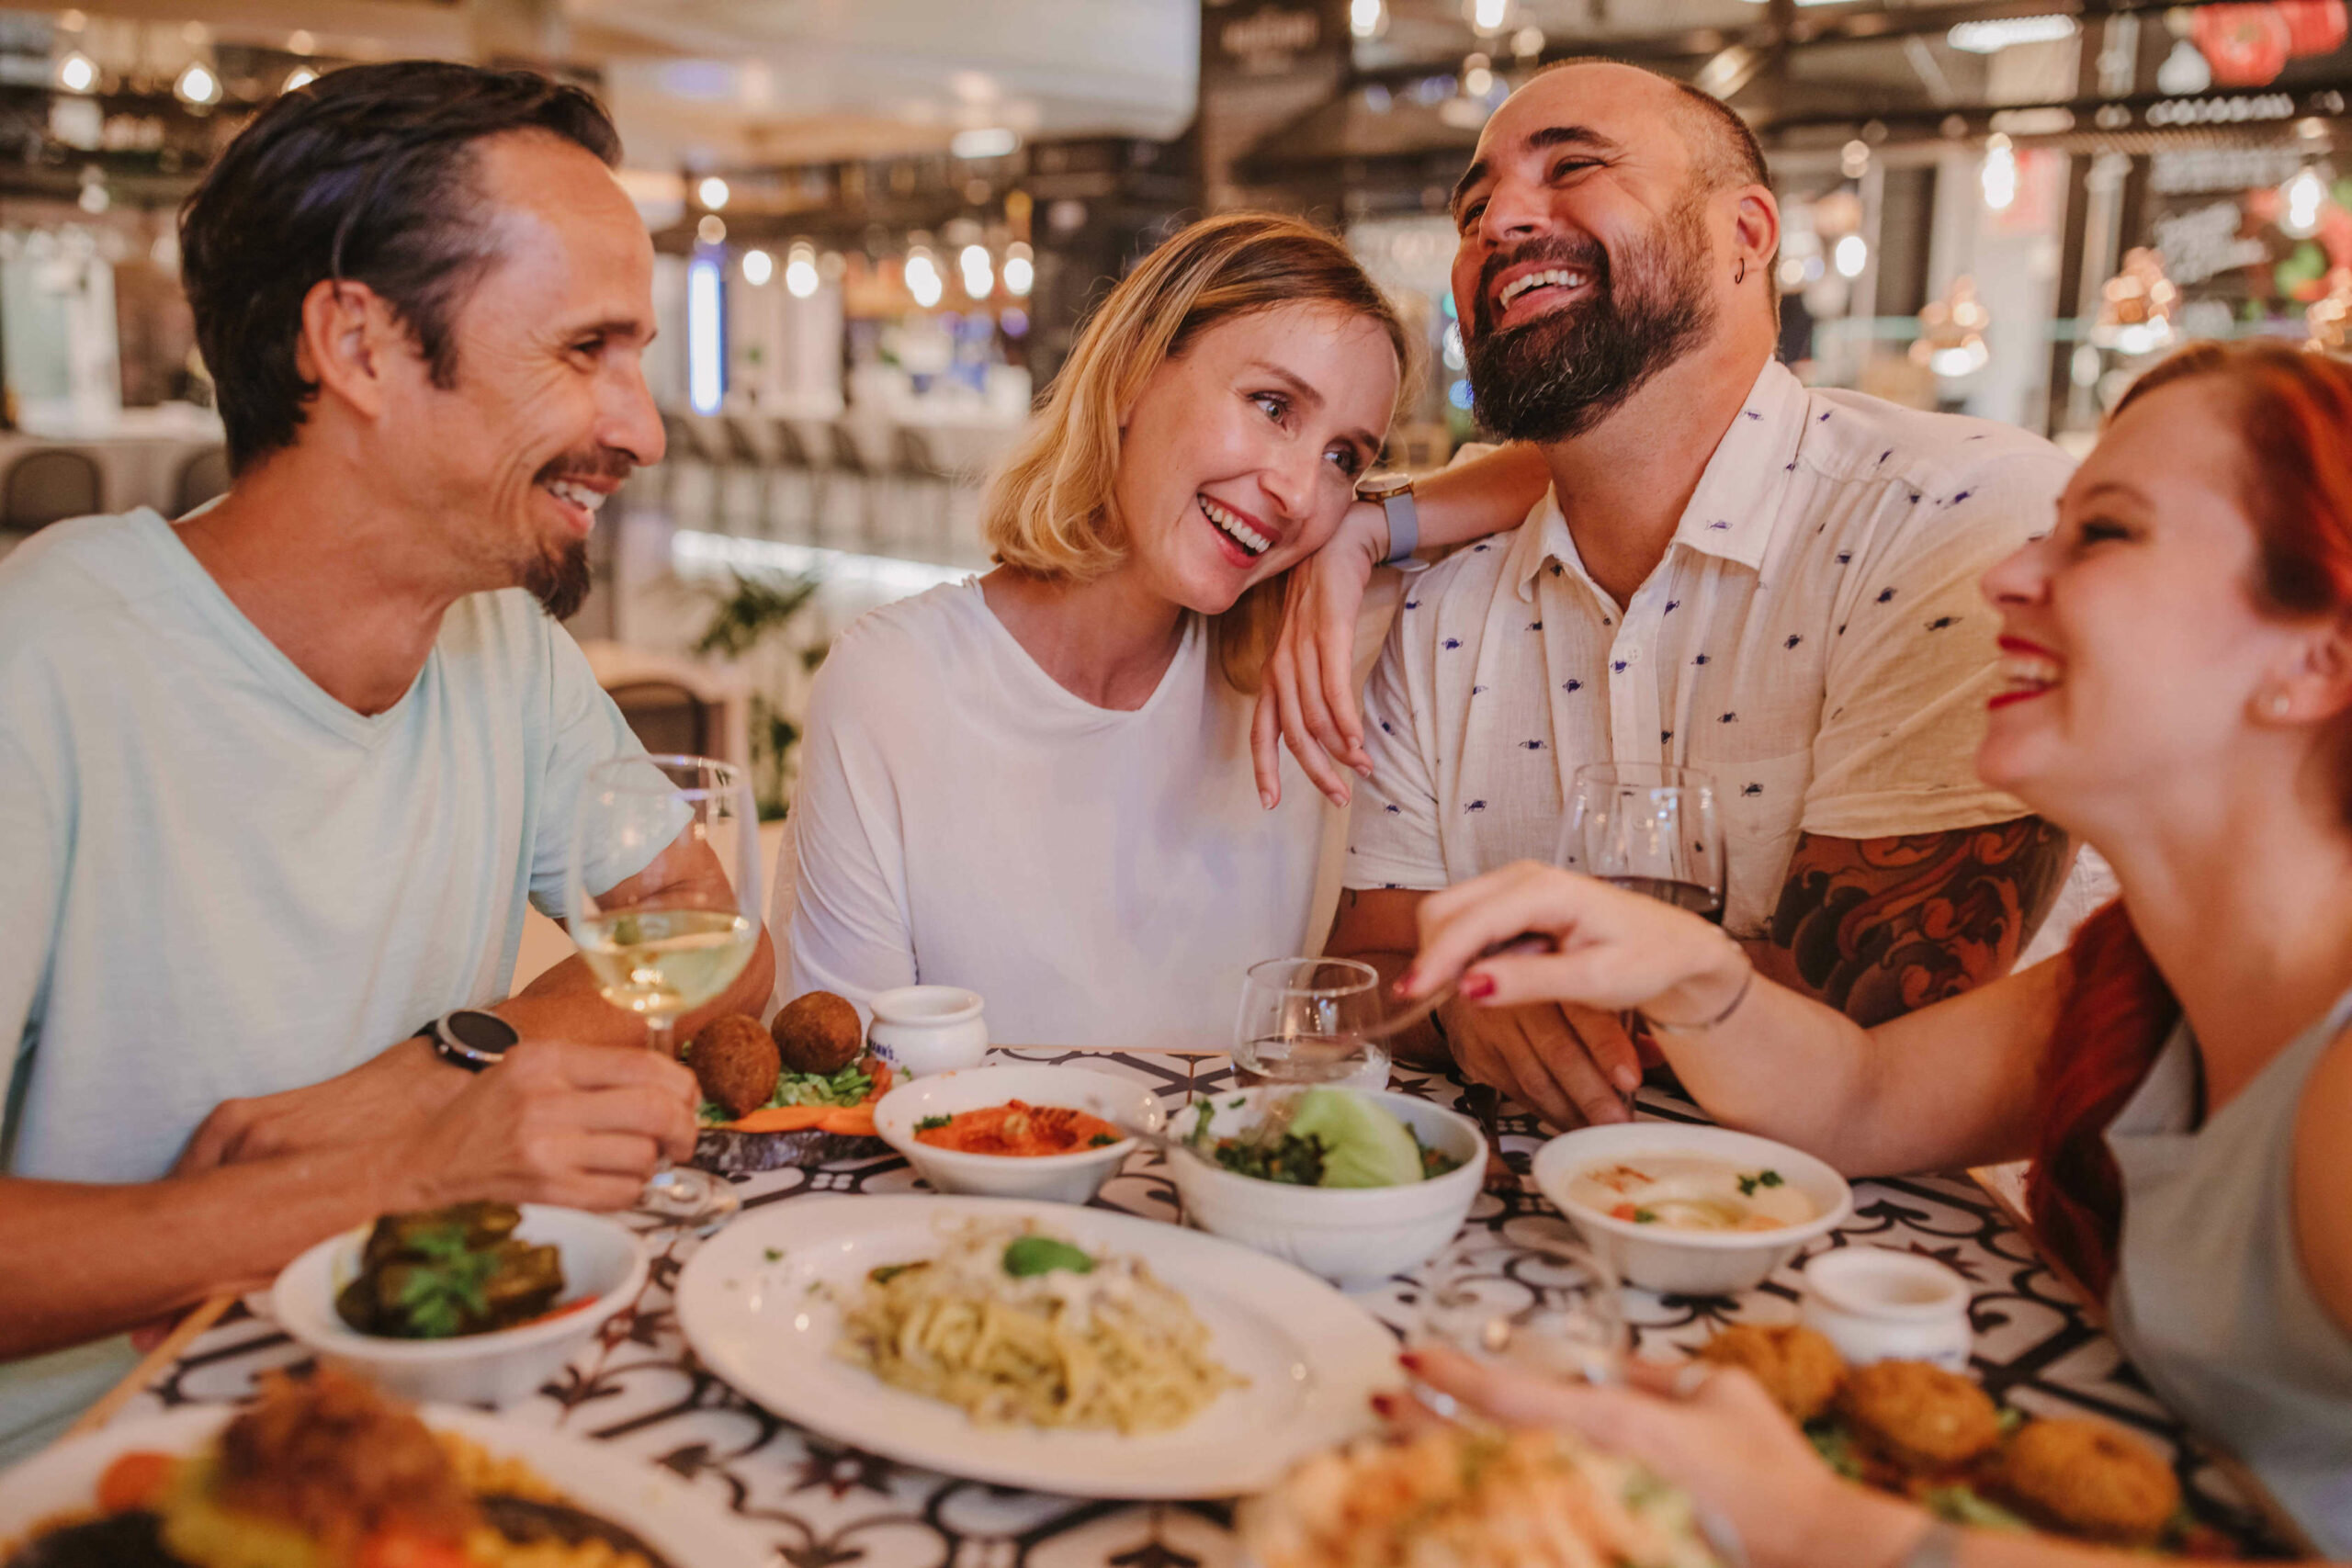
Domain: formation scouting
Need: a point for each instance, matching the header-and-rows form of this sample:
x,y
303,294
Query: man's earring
x,y
1741,275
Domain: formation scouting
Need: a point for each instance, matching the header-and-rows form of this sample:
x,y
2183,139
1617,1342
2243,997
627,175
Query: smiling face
x,y
2133,650
550,410
1240,454
1586,264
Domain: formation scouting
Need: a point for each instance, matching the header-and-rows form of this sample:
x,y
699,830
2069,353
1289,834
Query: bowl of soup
x,y
1016,1131
1690,1211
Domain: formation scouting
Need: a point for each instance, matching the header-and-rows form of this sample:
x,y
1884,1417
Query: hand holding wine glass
x,y
665,909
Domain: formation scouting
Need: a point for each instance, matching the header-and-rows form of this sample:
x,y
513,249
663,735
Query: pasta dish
x,y
1018,1328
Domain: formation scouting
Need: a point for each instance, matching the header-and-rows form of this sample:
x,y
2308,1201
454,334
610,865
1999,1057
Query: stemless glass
x,y
1648,829
663,948
1303,1021
1540,1303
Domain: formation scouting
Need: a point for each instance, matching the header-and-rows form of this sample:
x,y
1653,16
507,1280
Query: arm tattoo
x,y
1879,927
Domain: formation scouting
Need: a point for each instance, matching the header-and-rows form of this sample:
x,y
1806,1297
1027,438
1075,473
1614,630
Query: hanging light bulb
x,y
1367,19
712,192
2000,173
800,277
77,73
922,279
1853,255
1489,16
758,267
1020,271
197,85
2302,199
978,270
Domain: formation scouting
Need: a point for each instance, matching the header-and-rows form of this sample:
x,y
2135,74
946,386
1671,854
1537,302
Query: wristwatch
x,y
1394,493
471,1038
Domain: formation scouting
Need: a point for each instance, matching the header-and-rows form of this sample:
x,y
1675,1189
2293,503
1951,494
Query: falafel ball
x,y
2086,1478
1918,1415
736,1063
1798,1368
819,1033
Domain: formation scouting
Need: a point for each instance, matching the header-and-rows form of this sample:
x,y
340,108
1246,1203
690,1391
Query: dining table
x,y
638,1387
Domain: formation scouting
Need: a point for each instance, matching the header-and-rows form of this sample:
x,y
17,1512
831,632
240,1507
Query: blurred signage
x,y
1263,65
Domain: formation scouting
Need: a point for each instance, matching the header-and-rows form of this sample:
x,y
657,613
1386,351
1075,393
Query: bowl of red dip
x,y
1011,1131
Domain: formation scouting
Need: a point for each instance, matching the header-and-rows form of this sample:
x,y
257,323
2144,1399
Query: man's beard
x,y
1561,374
559,580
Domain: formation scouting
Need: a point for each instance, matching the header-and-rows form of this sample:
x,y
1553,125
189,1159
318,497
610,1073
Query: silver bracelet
x,y
1702,1026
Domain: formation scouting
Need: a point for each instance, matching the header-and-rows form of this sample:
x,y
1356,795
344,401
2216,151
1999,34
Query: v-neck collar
x,y
187,575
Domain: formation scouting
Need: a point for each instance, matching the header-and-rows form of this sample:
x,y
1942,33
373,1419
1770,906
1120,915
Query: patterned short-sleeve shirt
x,y
1814,638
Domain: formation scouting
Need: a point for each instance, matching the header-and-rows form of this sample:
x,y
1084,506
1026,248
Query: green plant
x,y
752,609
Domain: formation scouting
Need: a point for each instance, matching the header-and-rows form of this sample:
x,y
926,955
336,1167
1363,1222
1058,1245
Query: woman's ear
x,y
2314,682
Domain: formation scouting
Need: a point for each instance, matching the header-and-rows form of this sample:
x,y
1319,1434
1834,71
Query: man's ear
x,y
1755,226
351,341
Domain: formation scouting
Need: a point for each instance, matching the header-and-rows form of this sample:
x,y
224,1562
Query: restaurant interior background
x,y
880,222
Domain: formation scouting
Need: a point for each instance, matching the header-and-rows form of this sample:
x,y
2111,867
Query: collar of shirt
x,y
1732,513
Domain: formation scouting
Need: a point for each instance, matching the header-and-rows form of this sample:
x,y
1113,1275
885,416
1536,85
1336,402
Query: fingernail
x,y
1404,985
1478,987
1409,1359
1266,798
1364,769
1626,1078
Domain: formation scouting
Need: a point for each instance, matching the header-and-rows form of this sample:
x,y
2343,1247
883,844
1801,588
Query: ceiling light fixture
x,y
197,85
1367,19
2000,175
2005,32
922,279
758,267
77,73
712,192
1020,271
994,142
1853,255
978,270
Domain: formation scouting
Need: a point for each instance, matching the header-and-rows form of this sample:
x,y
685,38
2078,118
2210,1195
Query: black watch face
x,y
479,1031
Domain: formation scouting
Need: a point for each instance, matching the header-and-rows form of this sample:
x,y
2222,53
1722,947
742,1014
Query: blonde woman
x,y
1036,783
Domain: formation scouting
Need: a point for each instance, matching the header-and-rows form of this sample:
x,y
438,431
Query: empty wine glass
x,y
1649,828
1303,1021
1541,1304
664,884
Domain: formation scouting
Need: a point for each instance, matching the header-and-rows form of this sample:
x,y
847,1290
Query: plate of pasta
x,y
1034,1345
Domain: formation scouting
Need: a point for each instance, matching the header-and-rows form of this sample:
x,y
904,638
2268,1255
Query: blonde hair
x,y
1050,510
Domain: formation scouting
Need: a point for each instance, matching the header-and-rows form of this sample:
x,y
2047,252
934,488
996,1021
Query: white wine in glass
x,y
665,909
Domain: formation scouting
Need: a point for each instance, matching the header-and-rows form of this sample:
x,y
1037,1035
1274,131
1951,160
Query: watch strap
x,y
1404,525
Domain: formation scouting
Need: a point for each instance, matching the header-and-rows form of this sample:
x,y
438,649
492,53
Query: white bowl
x,y
601,1258
1354,1236
1057,1179
1876,1304
1680,1262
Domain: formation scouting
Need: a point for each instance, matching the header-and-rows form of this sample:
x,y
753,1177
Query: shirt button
x,y
1632,655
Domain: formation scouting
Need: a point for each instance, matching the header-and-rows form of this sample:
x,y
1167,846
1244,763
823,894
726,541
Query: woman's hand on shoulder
x,y
1308,700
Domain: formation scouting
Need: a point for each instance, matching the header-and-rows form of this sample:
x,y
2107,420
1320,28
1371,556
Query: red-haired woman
x,y
2178,693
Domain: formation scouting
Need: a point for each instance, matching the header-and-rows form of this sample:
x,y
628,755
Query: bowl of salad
x,y
1348,1184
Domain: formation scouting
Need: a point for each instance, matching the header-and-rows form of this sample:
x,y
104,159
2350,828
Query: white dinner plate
x,y
687,1527
751,1305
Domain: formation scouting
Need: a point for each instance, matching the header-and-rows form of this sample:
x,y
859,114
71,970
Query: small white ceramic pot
x,y
921,1030
1879,1306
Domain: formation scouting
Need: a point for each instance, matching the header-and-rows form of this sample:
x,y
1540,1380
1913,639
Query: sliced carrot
x,y
135,1481
881,1075
781,1119
851,1121
400,1548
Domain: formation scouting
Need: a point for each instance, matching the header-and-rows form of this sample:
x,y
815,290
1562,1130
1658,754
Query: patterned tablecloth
x,y
822,1504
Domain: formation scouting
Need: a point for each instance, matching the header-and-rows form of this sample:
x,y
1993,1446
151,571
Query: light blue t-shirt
x,y
217,881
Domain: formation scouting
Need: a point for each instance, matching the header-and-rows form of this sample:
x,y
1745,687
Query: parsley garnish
x,y
931,1123
1748,1184
1645,1217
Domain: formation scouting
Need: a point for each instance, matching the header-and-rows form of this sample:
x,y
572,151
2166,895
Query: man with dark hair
x,y
284,773
1729,573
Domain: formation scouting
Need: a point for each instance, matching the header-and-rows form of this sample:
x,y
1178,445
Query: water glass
x,y
1303,1021
1541,1304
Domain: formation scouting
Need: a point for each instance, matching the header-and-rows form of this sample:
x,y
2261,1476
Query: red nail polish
x,y
1404,985
1408,1359
1384,1404
1477,987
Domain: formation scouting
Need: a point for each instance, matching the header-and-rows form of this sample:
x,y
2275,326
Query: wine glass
x,y
1648,829
1303,1021
662,945
1537,1303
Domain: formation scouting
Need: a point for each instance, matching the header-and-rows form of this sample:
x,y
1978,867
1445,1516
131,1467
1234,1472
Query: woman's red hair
x,y
2291,412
